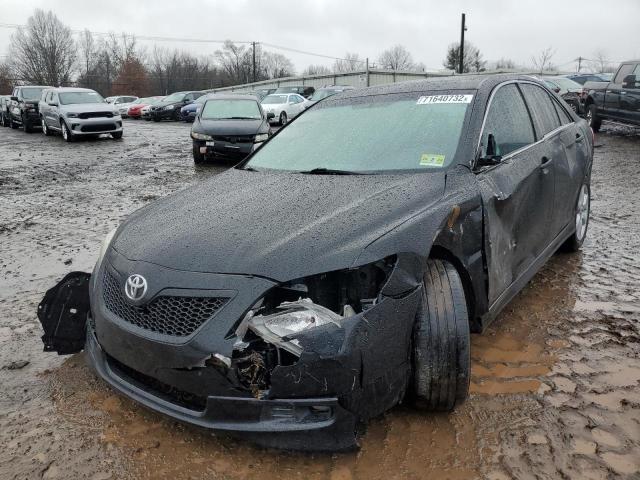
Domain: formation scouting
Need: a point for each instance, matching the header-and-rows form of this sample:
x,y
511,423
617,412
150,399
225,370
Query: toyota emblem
x,y
136,287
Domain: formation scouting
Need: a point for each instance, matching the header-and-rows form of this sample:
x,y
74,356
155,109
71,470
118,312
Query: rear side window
x,y
508,121
562,113
542,109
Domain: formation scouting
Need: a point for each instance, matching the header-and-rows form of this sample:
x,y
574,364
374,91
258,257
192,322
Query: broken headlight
x,y
201,136
313,301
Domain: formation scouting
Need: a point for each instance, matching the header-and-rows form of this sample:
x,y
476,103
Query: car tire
x,y
45,129
283,119
198,157
177,116
592,118
116,135
12,124
441,340
67,135
582,211
5,122
156,119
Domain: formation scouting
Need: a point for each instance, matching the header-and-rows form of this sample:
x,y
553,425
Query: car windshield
x,y
566,83
274,99
324,93
74,98
175,97
32,93
401,132
231,109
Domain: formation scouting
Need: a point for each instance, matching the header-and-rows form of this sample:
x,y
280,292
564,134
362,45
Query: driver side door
x,y
517,193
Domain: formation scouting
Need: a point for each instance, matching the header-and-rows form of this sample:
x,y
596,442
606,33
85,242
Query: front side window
x,y
508,121
371,134
75,98
544,113
231,110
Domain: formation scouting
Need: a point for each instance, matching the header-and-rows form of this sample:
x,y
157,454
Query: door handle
x,y
546,161
579,137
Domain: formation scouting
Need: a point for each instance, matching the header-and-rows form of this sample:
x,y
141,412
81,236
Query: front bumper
x,y
346,373
93,126
225,150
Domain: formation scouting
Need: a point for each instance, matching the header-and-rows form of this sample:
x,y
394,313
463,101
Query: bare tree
x,y
601,61
277,65
5,79
44,51
505,64
472,61
542,62
316,70
396,58
349,63
88,50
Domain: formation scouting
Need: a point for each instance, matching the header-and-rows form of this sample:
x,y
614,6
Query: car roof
x,y
234,96
78,89
456,82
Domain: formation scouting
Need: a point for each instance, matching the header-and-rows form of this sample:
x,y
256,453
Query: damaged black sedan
x,y
340,269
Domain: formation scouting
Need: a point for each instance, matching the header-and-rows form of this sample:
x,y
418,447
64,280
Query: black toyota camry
x,y
340,268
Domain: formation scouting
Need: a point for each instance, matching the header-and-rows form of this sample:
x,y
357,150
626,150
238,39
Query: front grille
x,y
100,127
234,138
168,315
158,388
85,115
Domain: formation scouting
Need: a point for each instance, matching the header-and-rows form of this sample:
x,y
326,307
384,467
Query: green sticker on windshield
x,y
431,160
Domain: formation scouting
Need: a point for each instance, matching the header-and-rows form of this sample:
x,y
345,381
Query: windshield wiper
x,y
330,171
239,118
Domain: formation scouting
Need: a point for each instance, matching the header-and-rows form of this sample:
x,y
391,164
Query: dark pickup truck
x,y
618,100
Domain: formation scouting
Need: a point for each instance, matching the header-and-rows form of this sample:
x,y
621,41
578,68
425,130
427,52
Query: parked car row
x,y
72,112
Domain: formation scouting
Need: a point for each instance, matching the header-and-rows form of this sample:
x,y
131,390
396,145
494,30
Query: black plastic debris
x,y
63,314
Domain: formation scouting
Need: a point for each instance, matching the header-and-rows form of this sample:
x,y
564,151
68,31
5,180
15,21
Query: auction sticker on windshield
x,y
431,160
433,99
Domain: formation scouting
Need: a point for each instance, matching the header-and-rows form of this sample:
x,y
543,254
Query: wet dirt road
x,y
556,379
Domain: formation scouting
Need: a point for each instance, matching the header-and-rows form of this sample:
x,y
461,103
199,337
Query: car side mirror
x,y
491,156
271,115
629,81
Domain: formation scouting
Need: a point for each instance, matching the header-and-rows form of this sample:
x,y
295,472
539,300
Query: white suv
x,y
78,111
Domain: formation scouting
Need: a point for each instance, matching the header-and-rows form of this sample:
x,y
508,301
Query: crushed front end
x,y
295,365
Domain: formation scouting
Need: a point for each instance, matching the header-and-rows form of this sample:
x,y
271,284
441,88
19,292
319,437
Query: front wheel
x,y
582,210
198,157
441,340
67,135
592,118
116,135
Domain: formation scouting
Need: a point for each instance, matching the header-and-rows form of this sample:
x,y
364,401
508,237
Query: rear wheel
x,y
283,118
176,115
67,135
592,118
441,342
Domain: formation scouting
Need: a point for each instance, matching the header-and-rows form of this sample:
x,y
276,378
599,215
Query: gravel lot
x,y
556,379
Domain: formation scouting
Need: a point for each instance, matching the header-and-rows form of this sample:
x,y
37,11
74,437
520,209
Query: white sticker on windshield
x,y
431,99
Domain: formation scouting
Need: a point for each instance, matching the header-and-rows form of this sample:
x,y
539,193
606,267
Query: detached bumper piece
x,y
63,314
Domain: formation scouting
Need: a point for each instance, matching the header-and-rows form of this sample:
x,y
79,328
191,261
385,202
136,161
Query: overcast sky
x,y
499,28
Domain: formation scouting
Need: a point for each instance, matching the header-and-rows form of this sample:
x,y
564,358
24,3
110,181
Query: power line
x,y
195,40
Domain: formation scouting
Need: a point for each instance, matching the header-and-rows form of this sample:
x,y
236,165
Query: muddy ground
x,y
556,379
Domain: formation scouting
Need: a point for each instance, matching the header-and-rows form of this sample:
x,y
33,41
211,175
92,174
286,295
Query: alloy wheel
x,y
582,213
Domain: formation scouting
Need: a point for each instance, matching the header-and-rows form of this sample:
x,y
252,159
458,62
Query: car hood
x,y
274,225
227,127
165,104
89,107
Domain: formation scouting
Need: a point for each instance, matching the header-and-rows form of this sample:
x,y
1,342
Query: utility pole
x,y
579,64
462,30
253,44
